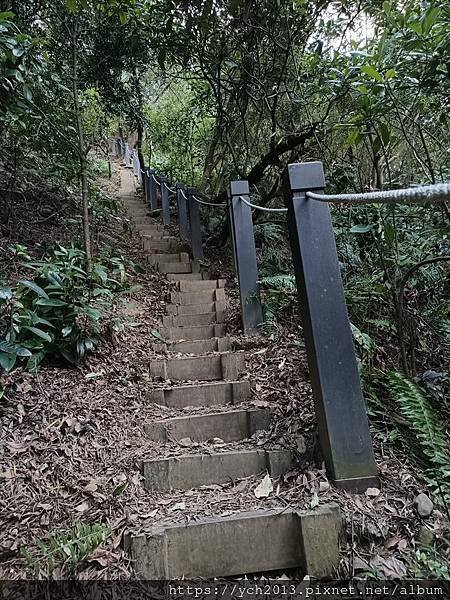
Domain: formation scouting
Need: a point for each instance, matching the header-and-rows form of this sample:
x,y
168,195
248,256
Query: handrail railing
x,y
342,420
437,192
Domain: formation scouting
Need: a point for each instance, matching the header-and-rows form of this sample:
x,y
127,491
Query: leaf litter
x,y
71,441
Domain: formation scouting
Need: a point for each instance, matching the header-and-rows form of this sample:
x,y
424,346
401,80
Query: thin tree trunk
x,y
82,153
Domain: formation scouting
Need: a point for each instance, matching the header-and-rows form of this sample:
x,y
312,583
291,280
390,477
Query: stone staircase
x,y
207,374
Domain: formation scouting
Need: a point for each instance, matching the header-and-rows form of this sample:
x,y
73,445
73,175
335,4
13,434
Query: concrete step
x,y
227,366
201,286
194,470
147,230
154,234
180,267
193,320
194,309
229,426
184,276
201,346
205,394
164,244
193,298
141,214
177,334
168,258
275,539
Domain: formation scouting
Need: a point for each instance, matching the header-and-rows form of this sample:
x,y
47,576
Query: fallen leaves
x,y
265,488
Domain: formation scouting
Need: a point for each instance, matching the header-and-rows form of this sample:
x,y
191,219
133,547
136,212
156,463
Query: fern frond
x,y
279,282
426,426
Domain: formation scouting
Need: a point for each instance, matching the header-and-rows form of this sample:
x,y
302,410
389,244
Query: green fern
x,y
278,283
426,425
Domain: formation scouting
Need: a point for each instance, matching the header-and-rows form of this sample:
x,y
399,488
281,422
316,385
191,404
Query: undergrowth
x,y
64,550
58,313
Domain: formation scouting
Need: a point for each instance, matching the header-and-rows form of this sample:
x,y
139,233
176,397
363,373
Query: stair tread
x,y
193,470
251,541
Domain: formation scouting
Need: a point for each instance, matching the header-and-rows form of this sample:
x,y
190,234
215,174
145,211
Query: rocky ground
x,y
71,438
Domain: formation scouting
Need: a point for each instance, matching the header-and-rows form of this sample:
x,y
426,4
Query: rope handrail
x,y
155,179
183,194
208,203
171,190
423,193
263,208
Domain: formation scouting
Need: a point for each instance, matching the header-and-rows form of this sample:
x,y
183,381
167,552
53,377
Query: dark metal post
x,y
195,225
147,186
153,200
182,212
244,251
342,420
165,207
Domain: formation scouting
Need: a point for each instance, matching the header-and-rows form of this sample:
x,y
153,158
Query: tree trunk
x,y
82,152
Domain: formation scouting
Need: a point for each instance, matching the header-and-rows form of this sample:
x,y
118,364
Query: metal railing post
x,y
342,420
244,252
146,186
195,225
153,199
165,207
127,155
137,166
182,212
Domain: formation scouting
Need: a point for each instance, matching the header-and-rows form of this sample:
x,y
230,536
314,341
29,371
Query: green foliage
x,y
19,63
278,294
64,550
59,313
429,565
427,428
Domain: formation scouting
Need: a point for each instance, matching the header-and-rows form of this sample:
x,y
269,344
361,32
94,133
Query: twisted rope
x,y
172,191
208,203
263,208
424,193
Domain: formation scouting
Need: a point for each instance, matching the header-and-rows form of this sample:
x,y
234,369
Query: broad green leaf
x,y
376,145
7,361
385,133
371,72
430,19
34,361
389,233
71,5
156,334
11,348
390,73
33,286
42,334
101,273
51,302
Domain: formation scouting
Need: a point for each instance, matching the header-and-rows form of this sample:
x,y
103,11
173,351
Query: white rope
x,y
423,193
154,179
183,194
208,203
263,208
172,191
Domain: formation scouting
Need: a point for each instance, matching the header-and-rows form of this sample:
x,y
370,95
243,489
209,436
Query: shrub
x,y
58,312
